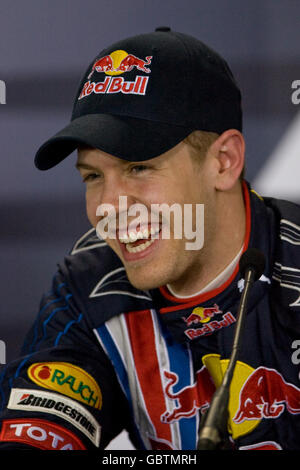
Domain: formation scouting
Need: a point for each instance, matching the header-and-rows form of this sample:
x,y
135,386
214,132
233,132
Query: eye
x,y
90,177
138,168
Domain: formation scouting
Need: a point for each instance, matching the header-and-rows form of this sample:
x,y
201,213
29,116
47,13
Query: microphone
x,y
212,432
253,260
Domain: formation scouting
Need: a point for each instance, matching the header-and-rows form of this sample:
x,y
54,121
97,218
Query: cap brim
x,y
127,138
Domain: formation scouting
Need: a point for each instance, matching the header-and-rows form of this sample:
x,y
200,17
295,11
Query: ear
x,y
229,154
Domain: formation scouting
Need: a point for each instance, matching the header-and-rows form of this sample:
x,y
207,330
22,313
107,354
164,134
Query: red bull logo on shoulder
x,y
117,63
266,394
255,394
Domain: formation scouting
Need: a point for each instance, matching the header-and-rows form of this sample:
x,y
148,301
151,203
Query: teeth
x,y
134,236
141,247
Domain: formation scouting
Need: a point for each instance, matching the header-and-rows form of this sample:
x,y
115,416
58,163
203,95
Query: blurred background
x,y
45,47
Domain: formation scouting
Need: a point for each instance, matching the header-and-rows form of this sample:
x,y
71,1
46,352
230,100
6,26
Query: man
x,y
137,330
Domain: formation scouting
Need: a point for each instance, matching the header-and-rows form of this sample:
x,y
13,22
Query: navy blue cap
x,y
142,95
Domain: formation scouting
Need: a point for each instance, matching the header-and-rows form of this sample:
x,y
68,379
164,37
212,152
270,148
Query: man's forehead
x,y
90,155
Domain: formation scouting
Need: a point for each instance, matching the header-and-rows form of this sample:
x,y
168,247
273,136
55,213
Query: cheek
x,y
160,192
146,191
91,208
148,194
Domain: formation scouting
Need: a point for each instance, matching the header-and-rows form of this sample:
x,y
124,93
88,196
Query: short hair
x,y
199,142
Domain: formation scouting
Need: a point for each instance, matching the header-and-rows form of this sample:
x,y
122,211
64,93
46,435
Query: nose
x,y
116,195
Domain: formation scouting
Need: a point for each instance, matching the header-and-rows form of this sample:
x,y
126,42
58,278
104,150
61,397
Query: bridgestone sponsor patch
x,y
53,403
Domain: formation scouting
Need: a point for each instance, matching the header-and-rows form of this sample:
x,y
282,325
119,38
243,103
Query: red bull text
x,y
203,315
117,63
115,85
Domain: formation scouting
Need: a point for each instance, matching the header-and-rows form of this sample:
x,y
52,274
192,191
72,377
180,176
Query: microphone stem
x,y
215,423
249,279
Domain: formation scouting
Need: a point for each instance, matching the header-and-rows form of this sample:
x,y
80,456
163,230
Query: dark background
x,y
45,46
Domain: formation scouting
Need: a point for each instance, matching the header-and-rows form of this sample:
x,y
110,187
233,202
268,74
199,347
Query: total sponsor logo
x,y
203,315
39,433
67,379
255,394
55,404
117,63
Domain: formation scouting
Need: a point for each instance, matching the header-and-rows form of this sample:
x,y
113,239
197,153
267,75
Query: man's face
x,y
150,261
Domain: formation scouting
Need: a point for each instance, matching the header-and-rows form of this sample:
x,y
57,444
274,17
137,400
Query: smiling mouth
x,y
136,241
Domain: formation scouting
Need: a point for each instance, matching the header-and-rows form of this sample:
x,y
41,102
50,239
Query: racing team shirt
x,y
103,356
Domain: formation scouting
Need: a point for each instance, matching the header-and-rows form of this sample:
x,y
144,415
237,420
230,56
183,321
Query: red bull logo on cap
x,y
117,63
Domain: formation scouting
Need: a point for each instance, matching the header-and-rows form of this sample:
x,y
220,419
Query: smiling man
x,y
137,330
172,178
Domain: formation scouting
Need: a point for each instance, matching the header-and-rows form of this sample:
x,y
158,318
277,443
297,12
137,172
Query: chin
x,y
146,282
144,285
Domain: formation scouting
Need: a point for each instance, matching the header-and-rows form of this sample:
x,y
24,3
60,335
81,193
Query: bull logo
x,y
201,315
118,62
266,395
189,399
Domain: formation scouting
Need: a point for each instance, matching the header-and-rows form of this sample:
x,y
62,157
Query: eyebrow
x,y
84,165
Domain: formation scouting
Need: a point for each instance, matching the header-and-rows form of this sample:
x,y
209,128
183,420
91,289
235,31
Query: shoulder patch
x,y
98,281
116,282
88,241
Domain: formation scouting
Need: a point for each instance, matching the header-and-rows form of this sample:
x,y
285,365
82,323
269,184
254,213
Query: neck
x,y
224,238
216,282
